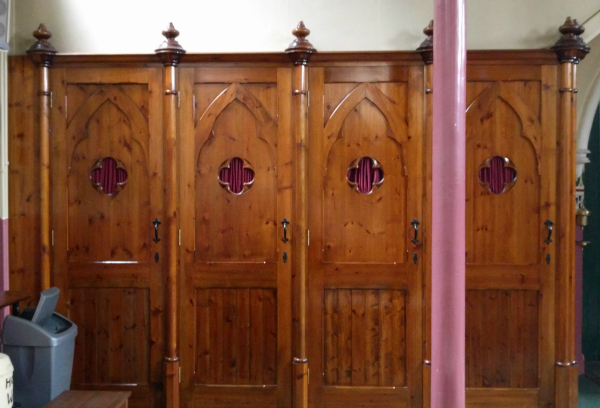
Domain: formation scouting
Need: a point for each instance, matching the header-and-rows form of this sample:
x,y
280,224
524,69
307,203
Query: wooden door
x,y
511,162
236,190
365,271
107,189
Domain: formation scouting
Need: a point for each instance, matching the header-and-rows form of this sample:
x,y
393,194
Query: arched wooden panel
x,y
504,228
236,227
360,227
78,124
103,227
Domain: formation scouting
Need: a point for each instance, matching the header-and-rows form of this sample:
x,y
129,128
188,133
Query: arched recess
x,y
102,227
365,124
236,124
204,126
501,124
77,127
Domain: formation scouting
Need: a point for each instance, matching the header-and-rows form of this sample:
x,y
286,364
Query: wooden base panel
x,y
364,397
502,398
235,396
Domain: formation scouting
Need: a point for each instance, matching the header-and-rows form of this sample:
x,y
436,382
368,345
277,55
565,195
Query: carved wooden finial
x,y
571,47
426,47
42,52
300,49
170,51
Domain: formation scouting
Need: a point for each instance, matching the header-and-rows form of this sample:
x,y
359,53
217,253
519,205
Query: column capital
x,y
170,51
300,49
426,47
571,47
42,52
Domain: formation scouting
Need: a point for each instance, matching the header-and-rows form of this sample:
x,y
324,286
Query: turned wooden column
x,y
42,54
299,52
448,207
570,49
170,53
426,51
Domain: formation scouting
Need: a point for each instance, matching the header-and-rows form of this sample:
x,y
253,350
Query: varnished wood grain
x,y
361,257
510,285
367,397
516,97
237,286
502,398
91,399
231,339
113,346
502,339
105,257
23,180
566,394
364,334
483,57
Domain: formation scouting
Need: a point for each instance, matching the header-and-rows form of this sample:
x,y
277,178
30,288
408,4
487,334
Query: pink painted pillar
x,y
448,202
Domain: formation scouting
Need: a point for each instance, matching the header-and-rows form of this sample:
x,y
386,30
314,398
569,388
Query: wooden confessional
x,y
253,230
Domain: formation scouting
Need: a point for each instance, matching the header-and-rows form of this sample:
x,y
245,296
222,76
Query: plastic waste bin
x,y
40,344
6,382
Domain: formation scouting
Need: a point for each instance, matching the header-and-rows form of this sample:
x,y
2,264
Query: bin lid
x,y
6,366
46,305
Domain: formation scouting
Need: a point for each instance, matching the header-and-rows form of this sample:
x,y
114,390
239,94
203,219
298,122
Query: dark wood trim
x,y
170,54
499,57
42,54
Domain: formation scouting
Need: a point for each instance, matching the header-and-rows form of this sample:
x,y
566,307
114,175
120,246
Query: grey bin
x,y
40,344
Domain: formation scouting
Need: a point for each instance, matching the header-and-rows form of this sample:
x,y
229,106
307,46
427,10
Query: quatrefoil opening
x,y
365,175
108,176
236,175
497,174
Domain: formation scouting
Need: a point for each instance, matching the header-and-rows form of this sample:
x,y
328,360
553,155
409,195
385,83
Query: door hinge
x,y
307,376
307,237
52,237
179,375
179,99
51,97
180,237
308,99
66,106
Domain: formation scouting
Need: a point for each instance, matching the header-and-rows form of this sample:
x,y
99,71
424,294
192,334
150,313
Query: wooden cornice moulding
x,y
426,47
571,47
170,51
477,57
300,50
42,52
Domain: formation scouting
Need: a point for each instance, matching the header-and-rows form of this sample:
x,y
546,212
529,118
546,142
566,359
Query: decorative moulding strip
x,y
503,57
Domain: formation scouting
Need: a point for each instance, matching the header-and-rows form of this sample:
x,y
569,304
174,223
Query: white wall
x,y
134,26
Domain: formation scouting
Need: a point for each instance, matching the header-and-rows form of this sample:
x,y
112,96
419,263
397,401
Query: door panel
x,y
365,299
511,158
108,156
236,299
